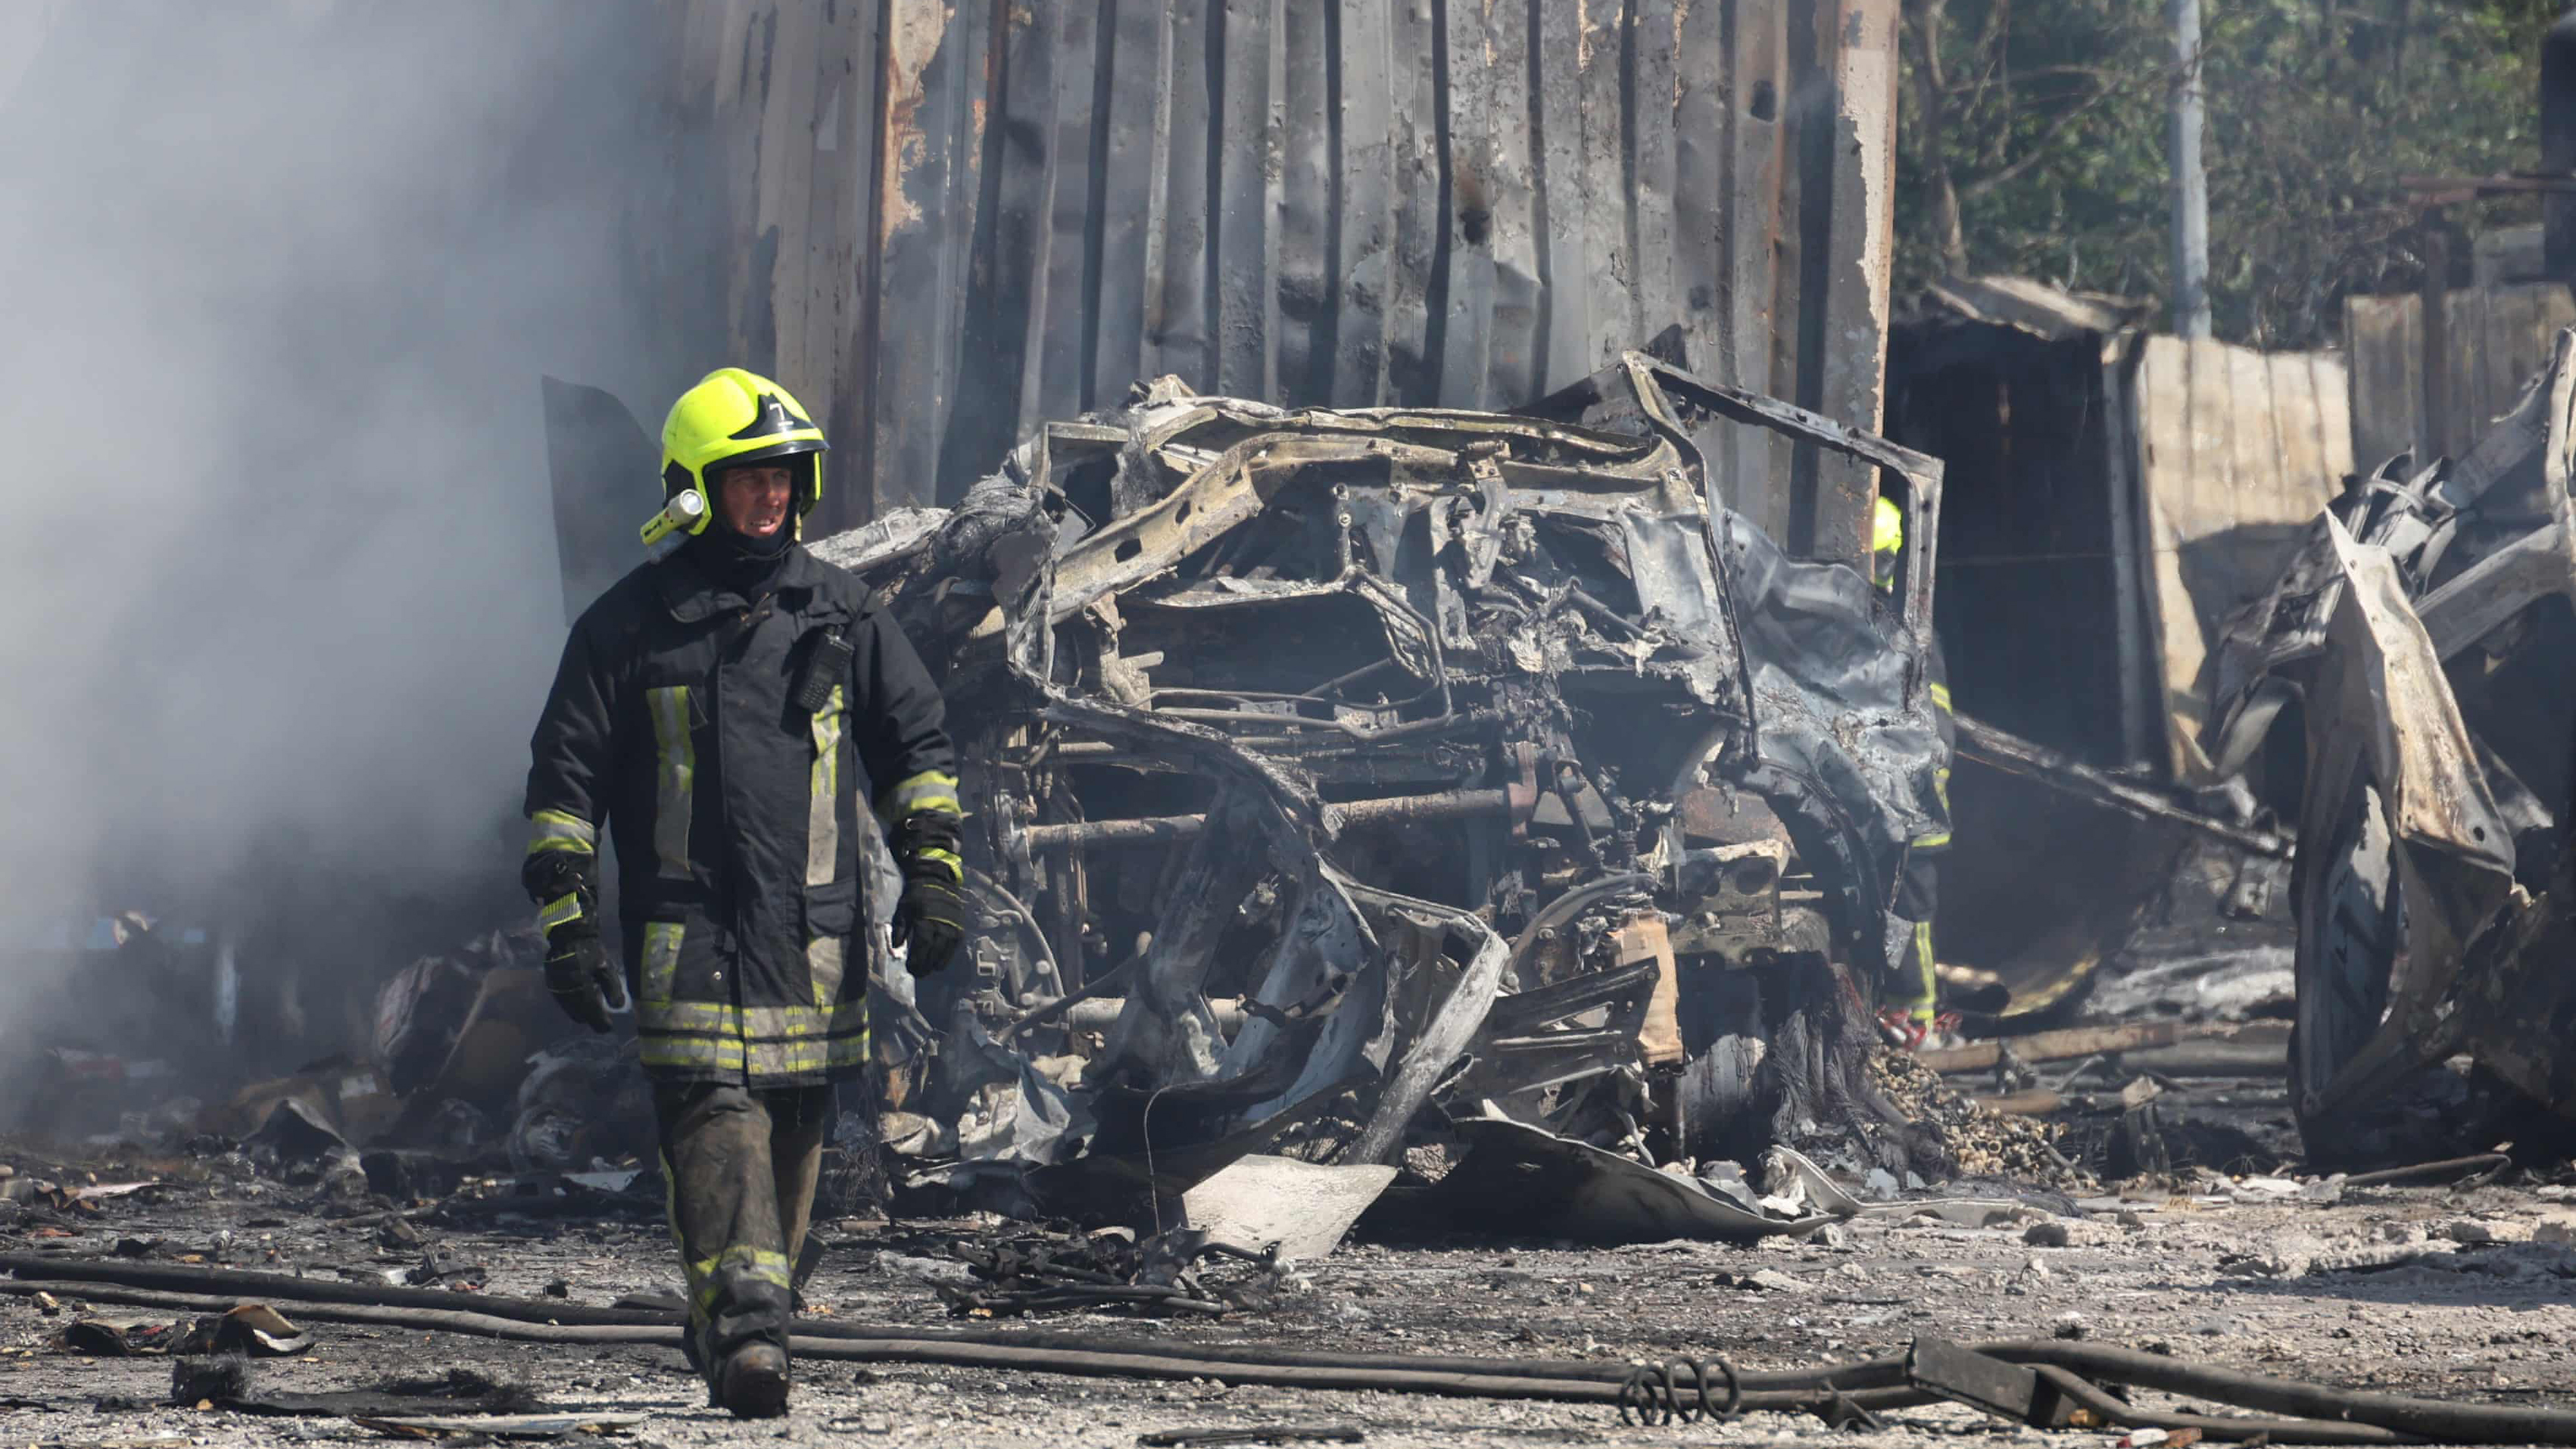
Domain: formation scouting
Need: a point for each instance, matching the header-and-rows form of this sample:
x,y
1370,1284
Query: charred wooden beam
x,y
2050,1046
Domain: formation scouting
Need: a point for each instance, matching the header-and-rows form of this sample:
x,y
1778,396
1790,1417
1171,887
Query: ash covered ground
x,y
2458,1292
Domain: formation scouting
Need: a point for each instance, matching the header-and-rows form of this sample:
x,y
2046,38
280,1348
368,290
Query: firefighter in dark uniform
x,y
1911,1003
720,712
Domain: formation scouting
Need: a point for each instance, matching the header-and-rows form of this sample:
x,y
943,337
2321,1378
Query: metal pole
x,y
2190,182
1173,829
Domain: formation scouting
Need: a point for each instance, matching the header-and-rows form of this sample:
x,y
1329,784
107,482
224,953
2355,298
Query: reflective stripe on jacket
x,y
1936,667
734,812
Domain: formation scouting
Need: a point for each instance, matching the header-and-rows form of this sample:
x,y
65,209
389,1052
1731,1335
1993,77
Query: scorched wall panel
x,y
953,221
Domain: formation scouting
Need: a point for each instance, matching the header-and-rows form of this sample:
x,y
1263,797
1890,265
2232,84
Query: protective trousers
x,y
1915,986
741,1164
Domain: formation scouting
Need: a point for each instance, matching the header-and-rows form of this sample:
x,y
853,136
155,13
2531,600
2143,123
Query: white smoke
x,y
277,556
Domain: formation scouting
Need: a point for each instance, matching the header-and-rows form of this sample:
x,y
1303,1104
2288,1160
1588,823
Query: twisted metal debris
x,y
1334,775
2420,635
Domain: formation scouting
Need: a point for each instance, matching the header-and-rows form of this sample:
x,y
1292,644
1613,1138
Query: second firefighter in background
x,y
1912,1000
725,713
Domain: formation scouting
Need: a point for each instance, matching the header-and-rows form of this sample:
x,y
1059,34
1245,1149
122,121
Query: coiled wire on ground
x,y
1676,1392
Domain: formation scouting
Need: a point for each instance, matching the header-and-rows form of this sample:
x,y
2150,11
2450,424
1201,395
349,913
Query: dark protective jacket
x,y
674,724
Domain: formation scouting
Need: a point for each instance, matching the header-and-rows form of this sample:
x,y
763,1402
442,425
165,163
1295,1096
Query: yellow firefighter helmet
x,y
729,419
1886,539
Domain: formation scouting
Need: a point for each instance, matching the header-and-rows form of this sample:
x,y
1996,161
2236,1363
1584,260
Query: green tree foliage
x,y
2047,123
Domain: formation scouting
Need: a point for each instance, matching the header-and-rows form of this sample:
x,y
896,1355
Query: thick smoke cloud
x,y
278,565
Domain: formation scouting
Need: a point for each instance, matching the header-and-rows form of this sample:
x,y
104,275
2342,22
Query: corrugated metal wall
x,y
956,220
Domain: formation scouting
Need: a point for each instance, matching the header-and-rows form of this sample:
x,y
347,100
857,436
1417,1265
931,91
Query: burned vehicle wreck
x,y
1368,786
2420,639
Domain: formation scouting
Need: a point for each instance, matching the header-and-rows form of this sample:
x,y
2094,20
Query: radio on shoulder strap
x,y
826,664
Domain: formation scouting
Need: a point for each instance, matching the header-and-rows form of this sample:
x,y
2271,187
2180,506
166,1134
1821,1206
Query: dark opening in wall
x,y
2027,597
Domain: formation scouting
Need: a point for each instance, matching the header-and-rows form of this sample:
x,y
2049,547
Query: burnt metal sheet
x,y
2433,882
595,450
2051,314
2472,581
1851,311
944,223
930,166
1750,300
1011,247
2517,1004
1180,297
1466,161
1521,1180
1445,1036
760,259
1542,1183
2389,746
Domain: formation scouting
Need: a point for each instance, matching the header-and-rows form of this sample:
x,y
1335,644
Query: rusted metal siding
x,y
2500,338
2238,451
1843,356
956,220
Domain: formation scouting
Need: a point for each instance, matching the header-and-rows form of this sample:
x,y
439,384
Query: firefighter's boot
x,y
753,1382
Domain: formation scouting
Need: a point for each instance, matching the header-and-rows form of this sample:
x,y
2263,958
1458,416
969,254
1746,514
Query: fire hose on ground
x,y
2044,1382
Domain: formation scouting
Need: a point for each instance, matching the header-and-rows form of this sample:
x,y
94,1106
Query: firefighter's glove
x,y
930,918
579,974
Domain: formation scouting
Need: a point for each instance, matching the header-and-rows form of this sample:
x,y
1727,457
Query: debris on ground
x,y
2425,1285
1180,1271
251,1330
1300,1210
227,1382
1984,1143
499,1426
1254,1434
